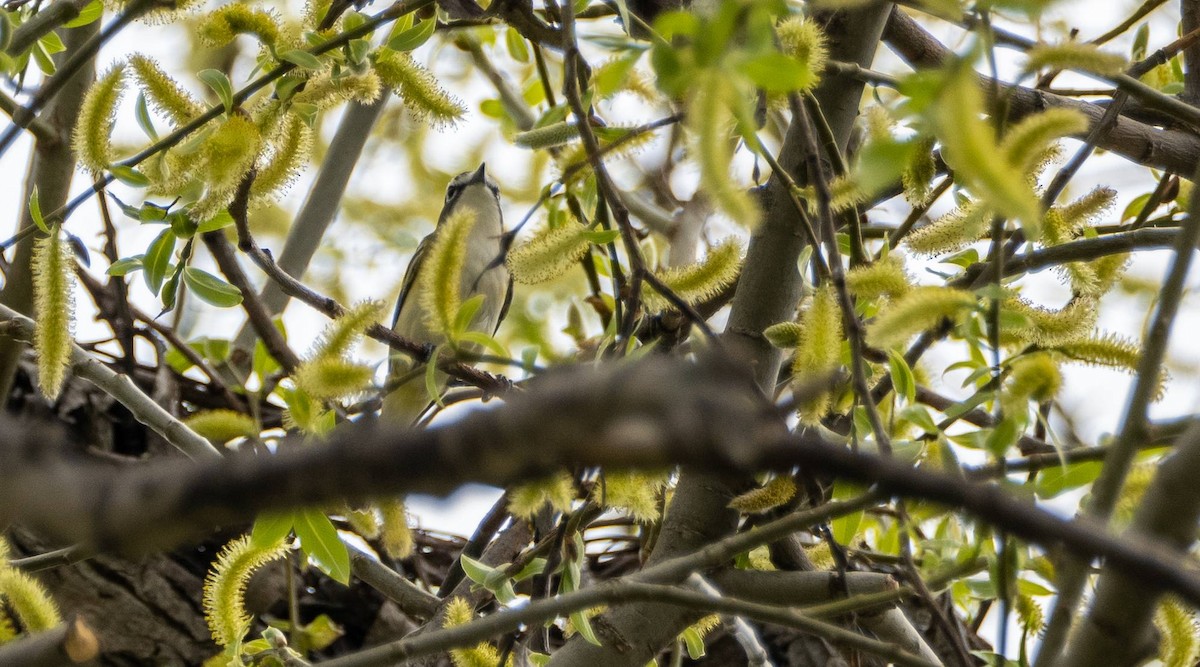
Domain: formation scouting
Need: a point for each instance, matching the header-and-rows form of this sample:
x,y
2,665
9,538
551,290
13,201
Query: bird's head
x,y
475,190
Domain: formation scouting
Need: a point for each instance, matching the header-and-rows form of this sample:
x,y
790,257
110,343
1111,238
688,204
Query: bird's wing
x,y
504,309
410,275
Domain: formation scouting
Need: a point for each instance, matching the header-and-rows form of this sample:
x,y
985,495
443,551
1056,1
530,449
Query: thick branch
x,y
652,414
71,643
1117,625
321,205
1171,150
120,387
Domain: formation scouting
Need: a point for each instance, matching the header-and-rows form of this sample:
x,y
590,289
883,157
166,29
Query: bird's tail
x,y
405,403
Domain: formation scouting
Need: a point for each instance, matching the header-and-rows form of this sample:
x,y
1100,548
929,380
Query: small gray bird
x,y
482,273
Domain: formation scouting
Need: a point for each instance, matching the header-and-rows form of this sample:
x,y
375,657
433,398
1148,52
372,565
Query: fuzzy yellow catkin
x,y
222,425
547,136
1032,377
954,231
8,631
163,93
1025,142
395,533
333,378
438,284
970,148
1047,327
703,280
1029,613
633,492
784,335
573,158
919,172
225,586
1106,349
803,40
459,612
1078,214
549,254
222,25
1074,55
776,492
364,521
845,193
418,89
884,278
230,151
558,491
92,137
920,309
290,149
819,349
28,600
344,331
54,310
1179,642
710,121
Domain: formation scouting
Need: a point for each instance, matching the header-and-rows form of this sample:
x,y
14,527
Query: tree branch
x,y
1170,150
142,407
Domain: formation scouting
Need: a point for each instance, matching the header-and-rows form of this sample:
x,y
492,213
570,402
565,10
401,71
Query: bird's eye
x,y
452,192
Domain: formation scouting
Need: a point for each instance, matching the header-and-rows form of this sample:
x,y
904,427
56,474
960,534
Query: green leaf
x,y
151,212
211,288
485,341
219,221
302,59
178,363
35,211
142,113
918,415
182,224
264,364
357,50
170,289
466,313
777,73
125,265
157,259
321,543
584,627
52,43
271,528
129,176
902,376
414,36
306,111
217,80
1141,39
475,570
90,12
353,20
533,568
694,643
431,379
880,163
1134,208
602,236
1003,436
516,46
1051,482
127,210
845,528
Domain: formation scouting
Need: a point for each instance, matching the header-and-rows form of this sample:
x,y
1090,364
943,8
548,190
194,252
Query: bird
x,y
483,272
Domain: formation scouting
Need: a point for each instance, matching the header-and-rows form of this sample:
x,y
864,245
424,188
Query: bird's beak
x,y
480,174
